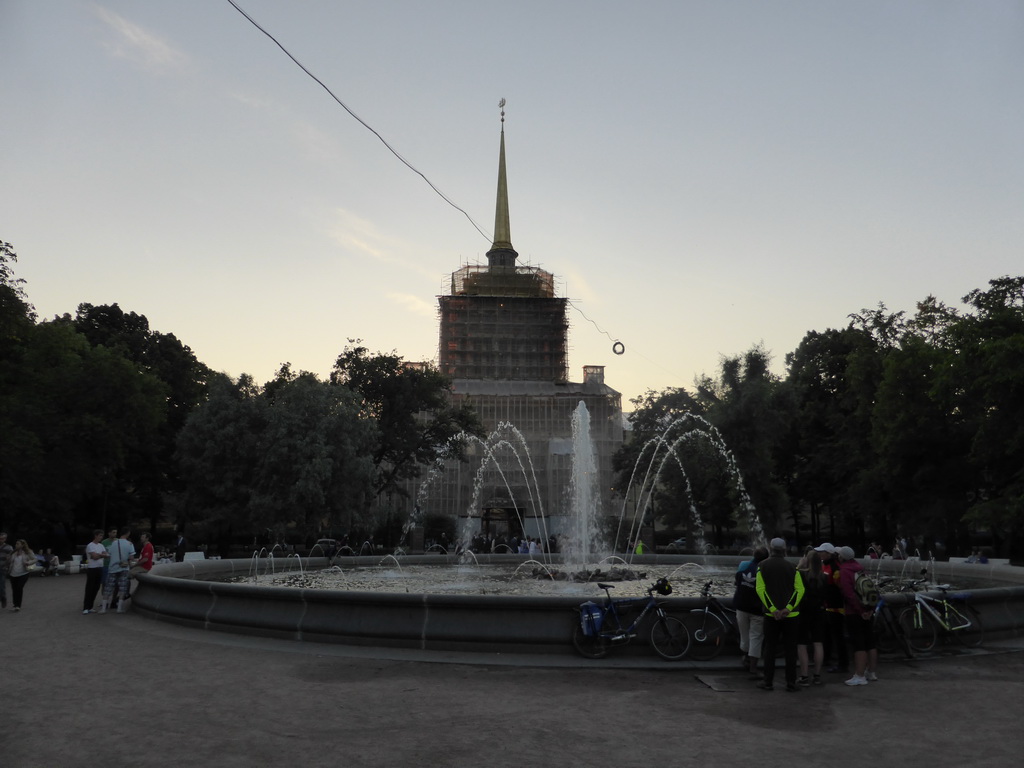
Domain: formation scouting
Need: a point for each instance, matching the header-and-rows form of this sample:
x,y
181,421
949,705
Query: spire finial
x,y
502,254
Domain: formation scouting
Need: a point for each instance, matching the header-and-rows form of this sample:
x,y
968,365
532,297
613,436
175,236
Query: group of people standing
x,y
110,564
810,613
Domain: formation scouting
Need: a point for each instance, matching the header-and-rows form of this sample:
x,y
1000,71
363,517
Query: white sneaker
x,y
86,611
857,680
872,677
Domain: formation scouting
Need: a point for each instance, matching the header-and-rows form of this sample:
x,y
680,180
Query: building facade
x,y
503,338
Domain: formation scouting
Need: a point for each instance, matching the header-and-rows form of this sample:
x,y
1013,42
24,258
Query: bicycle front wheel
x,y
707,635
969,631
918,628
670,638
886,639
591,646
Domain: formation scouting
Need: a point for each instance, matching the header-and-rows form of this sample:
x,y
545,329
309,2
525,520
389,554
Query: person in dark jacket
x,y
812,619
836,655
780,588
749,611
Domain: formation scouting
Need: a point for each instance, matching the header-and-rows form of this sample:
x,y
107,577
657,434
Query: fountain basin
x,y
184,593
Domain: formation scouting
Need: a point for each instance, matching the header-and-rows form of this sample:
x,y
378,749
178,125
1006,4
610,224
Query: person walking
x,y
860,620
6,550
780,588
95,554
22,562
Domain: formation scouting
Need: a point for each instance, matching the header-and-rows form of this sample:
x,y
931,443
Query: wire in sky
x,y
357,117
618,347
599,328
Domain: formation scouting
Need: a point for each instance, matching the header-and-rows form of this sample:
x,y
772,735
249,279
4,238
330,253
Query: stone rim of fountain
x,y
473,623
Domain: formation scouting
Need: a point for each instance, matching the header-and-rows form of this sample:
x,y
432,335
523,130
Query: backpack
x,y
867,591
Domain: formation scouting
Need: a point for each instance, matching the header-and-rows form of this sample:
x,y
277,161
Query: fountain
x,y
473,616
583,542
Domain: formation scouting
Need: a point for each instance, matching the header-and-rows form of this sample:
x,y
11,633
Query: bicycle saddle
x,y
606,586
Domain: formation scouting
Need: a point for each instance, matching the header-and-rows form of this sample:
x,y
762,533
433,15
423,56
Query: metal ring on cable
x,y
618,348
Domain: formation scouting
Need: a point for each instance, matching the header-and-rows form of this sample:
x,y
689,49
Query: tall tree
x,y
411,405
990,368
154,472
748,406
649,476
921,446
72,417
832,377
291,457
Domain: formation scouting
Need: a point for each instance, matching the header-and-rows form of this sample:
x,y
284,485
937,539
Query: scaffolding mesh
x,y
484,280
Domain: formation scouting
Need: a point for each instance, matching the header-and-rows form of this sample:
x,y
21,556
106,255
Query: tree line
x,y
895,426
107,422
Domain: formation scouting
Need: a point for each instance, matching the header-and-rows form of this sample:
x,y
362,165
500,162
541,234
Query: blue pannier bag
x,y
590,618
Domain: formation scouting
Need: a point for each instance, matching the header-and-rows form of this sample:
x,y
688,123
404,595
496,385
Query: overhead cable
x,y
366,125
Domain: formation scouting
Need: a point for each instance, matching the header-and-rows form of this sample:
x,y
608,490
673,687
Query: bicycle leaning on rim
x,y
600,626
710,626
952,613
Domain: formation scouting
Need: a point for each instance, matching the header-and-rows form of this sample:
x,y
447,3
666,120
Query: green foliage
x,y
750,409
153,470
746,408
16,314
412,408
988,368
893,425
832,378
292,456
72,417
915,426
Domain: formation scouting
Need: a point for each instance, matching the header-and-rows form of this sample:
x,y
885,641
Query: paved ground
x,y
84,690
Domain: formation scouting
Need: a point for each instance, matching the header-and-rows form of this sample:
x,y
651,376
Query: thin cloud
x,y
362,237
414,304
250,100
577,287
134,43
315,142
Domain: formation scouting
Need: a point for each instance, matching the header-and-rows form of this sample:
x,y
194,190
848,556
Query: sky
x,y
701,177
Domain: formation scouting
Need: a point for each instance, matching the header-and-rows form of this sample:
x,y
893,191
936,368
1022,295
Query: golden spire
x,y
502,253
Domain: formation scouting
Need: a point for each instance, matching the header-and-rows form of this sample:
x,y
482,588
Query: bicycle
x,y
889,636
710,626
921,620
600,625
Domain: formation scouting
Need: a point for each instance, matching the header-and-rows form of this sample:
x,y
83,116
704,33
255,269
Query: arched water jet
x,y
531,562
700,429
492,447
581,539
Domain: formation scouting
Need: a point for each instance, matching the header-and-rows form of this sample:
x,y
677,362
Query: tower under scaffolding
x,y
504,341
